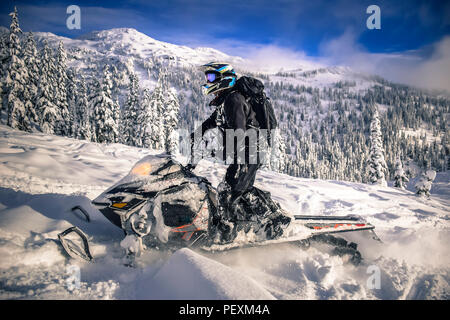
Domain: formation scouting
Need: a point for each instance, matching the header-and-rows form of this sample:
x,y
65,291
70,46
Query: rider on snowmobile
x,y
232,112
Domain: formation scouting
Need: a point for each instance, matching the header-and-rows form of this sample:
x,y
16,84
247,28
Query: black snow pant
x,y
240,177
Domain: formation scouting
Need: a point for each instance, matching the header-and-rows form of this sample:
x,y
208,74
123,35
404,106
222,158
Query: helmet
x,y
219,76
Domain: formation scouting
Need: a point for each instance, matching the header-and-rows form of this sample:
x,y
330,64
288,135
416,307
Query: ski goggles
x,y
212,76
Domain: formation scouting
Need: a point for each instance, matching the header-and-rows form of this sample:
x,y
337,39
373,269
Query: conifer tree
x,y
278,158
423,186
31,60
157,106
48,110
146,120
63,125
71,90
170,122
82,116
130,126
400,176
16,80
377,164
105,128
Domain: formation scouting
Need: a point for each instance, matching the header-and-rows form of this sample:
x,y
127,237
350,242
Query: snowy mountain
x,y
324,111
327,146
43,176
133,51
133,48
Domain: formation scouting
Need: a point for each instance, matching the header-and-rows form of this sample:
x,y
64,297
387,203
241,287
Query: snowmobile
x,y
162,204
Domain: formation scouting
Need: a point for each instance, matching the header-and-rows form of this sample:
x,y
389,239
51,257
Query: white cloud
x,y
435,71
260,57
274,58
427,67
418,67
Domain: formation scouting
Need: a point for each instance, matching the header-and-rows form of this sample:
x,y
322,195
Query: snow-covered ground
x,y
42,177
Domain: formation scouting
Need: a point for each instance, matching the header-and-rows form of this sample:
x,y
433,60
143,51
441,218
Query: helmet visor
x,y
211,77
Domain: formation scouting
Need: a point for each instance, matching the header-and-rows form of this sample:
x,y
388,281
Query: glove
x,y
190,167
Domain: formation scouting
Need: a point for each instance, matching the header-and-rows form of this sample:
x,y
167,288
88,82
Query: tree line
x,y
40,92
325,133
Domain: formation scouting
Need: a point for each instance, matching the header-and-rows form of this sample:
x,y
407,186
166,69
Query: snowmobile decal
x,y
128,205
337,226
119,205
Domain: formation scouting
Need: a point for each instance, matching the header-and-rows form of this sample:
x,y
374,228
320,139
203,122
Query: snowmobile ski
x,y
71,248
309,232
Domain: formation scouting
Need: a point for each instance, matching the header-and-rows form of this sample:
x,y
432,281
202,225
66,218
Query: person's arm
x,y
209,123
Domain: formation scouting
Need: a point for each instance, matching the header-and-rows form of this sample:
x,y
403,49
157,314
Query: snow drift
x,y
43,176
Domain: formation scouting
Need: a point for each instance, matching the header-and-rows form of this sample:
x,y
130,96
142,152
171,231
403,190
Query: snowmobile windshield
x,y
142,169
155,166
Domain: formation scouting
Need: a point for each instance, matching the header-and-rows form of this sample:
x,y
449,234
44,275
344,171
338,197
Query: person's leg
x,y
238,179
242,180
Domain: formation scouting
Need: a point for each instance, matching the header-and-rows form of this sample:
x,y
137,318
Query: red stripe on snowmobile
x,y
191,228
336,226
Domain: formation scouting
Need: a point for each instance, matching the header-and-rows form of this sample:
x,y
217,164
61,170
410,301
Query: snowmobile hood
x,y
146,178
151,173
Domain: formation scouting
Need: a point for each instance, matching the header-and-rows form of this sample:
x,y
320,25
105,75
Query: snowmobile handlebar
x,y
190,167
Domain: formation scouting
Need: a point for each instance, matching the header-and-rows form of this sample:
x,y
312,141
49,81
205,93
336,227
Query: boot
x,y
224,221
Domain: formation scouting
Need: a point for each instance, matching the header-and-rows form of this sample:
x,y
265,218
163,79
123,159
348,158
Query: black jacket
x,y
237,114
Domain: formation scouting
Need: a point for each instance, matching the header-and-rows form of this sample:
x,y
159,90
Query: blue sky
x,y
295,24
335,30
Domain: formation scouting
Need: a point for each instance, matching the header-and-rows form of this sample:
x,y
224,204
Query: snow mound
x,y
43,177
189,275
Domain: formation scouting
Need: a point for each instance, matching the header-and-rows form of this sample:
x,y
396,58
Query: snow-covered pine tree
x,y
377,164
170,122
423,186
94,91
4,62
31,60
299,162
71,90
63,125
16,80
82,116
116,119
48,111
4,51
146,119
1,97
130,126
105,128
400,176
157,104
278,157
116,80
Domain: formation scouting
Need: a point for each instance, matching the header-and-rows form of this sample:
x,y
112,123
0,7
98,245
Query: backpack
x,y
253,91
